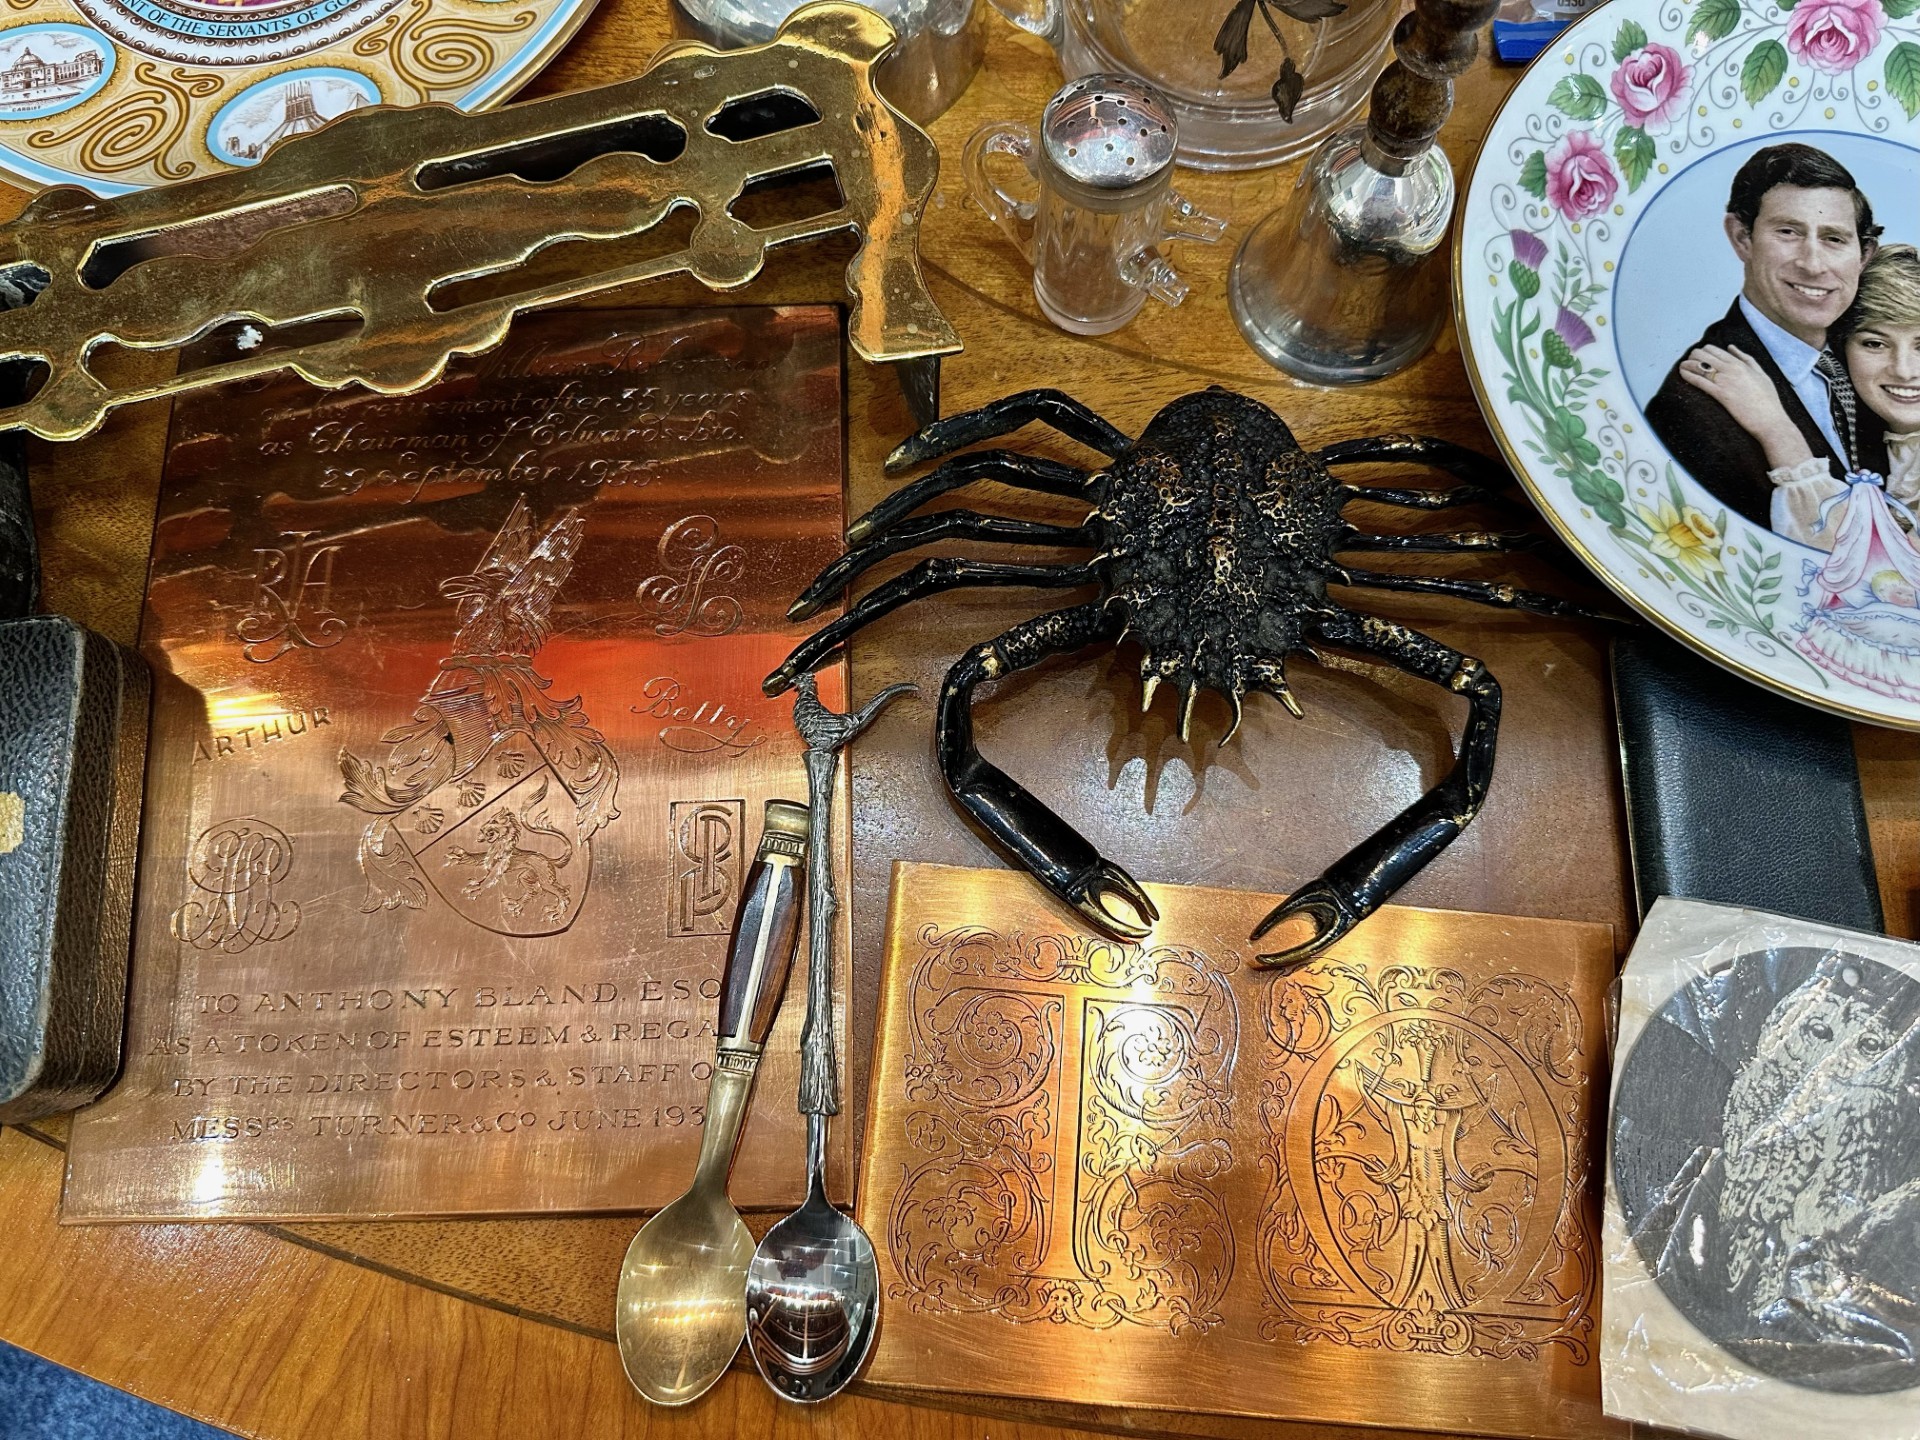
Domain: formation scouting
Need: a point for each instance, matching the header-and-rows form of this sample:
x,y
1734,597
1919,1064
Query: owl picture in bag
x,y
1813,1133
1767,1158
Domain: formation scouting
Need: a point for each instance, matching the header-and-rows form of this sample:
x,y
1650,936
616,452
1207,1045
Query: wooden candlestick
x,y
1412,98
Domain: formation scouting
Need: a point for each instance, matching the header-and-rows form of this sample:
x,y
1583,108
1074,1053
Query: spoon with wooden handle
x,y
681,1310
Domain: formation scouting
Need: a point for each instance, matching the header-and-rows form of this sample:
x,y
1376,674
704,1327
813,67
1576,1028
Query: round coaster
x,y
120,94
1766,1144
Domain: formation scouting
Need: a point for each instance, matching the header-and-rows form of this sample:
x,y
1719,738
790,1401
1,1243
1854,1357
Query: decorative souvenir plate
x,y
119,94
1630,220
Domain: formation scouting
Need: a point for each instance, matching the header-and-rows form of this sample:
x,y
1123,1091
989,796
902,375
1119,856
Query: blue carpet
x,y
43,1401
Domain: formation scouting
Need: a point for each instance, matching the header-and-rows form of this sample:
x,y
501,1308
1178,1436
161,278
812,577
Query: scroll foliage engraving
x,y
1019,1041
437,56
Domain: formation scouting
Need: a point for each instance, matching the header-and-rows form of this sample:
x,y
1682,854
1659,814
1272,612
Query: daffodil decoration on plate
x,y
1689,302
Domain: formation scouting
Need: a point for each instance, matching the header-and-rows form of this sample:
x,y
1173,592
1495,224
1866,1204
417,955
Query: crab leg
x,y
1059,856
1483,592
1458,542
1470,465
929,577
1360,881
1009,467
924,530
1445,497
1003,417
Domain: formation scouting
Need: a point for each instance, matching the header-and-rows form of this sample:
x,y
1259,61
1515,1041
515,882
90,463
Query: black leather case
x,y
1736,794
73,735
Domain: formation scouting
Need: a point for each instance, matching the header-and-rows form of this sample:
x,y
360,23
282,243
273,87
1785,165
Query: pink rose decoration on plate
x,y
1580,178
1651,86
1835,35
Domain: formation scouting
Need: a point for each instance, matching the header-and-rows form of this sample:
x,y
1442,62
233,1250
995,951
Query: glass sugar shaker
x,y
1096,232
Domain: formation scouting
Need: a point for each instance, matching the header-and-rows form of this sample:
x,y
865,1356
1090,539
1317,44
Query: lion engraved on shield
x,y
458,787
522,873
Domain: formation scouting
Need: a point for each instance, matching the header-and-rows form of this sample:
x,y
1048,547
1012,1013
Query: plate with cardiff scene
x,y
116,95
1689,298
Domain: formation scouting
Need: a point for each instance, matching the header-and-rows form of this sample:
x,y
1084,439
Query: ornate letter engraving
x,y
235,866
685,598
708,859
292,600
492,793
1132,1048
1427,1162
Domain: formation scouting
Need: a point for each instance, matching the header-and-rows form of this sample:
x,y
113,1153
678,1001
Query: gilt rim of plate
x,y
511,61
1663,99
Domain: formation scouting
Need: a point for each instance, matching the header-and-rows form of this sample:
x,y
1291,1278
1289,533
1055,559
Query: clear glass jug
x,y
1095,234
1252,82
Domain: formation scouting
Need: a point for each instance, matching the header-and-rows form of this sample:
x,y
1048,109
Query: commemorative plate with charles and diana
x,y
1689,299
119,94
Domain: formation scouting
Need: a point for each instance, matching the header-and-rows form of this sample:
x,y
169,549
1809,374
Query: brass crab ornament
x,y
1214,537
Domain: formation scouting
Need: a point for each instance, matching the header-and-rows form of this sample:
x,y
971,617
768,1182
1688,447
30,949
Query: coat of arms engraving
x,y
491,794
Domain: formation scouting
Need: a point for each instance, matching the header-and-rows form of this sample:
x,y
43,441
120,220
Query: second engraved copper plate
x,y
1361,1192
459,757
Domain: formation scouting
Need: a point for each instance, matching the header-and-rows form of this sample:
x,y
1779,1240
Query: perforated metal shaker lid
x,y
1108,131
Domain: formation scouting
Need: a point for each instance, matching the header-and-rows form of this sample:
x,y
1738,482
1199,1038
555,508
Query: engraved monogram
x,y
292,600
235,867
493,792
686,597
708,858
1428,1163
1131,1049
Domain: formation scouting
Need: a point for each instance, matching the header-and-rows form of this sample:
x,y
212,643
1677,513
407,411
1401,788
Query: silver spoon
x,y
679,1312
814,1284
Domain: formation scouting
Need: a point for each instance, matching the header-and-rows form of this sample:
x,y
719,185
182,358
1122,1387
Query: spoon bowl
x,y
813,1288
810,1299
680,1309
681,1305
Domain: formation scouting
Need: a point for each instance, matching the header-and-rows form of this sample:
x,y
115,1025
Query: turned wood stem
x,y
1414,95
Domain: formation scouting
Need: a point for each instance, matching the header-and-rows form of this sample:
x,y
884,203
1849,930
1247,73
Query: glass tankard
x,y
1252,81
1103,161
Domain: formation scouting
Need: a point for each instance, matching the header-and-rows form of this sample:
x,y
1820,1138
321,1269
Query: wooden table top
x,y
475,1329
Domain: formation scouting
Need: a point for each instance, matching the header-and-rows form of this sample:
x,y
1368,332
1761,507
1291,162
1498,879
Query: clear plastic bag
x,y
1762,1234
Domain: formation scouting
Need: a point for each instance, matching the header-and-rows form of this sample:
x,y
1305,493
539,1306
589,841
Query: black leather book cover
x,y
1738,795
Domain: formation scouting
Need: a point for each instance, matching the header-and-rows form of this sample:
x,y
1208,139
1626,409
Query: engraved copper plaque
x,y
459,757
1361,1192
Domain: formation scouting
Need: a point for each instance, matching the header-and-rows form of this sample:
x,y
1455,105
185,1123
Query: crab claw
x,y
1330,912
1112,900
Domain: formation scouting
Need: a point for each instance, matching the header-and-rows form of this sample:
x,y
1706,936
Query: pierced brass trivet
x,y
409,224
